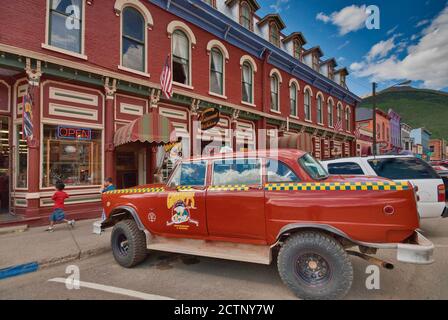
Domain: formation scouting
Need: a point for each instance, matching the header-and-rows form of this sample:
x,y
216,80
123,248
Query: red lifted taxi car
x,y
248,206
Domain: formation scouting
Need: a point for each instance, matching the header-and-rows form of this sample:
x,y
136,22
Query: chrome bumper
x,y
419,251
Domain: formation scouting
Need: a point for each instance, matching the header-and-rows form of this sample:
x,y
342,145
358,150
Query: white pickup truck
x,y
431,189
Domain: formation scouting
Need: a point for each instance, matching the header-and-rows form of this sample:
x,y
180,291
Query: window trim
x,y
276,72
259,160
172,27
296,83
348,122
48,46
251,103
216,44
330,125
145,51
272,25
310,91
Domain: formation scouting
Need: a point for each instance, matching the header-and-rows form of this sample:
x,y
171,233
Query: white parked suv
x,y
431,189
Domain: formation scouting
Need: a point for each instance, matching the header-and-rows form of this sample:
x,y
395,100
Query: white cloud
x,y
422,23
392,30
346,43
381,49
280,5
351,18
426,61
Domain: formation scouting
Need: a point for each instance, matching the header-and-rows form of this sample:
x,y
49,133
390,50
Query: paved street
x,y
184,277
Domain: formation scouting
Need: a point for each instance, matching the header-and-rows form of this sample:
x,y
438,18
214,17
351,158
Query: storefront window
x,y
21,159
71,155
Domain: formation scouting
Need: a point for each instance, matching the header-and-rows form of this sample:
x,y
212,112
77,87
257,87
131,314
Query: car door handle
x,y
255,188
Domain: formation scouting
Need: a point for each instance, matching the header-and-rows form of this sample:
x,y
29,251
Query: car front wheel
x,y
128,244
315,266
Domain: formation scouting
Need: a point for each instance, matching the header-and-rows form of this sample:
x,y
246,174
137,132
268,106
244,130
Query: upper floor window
x,y
65,25
275,89
181,57
274,34
247,82
343,81
339,114
330,113
246,16
216,71
330,73
319,109
133,40
293,99
315,62
348,116
297,50
307,104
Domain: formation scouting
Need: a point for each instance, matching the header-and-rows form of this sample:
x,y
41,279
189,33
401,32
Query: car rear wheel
x,y
128,244
315,266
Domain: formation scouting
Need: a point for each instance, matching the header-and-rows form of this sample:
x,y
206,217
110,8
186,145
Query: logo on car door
x,y
181,204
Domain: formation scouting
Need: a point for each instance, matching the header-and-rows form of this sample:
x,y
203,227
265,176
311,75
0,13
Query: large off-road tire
x,y
128,244
315,266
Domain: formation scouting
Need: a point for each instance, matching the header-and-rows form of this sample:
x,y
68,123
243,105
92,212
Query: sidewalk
x,y
46,249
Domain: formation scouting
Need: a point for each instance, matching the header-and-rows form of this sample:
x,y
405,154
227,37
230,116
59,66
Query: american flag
x,y
338,126
27,116
166,79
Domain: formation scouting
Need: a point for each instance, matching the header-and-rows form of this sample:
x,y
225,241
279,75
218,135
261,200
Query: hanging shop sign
x,y
74,133
209,118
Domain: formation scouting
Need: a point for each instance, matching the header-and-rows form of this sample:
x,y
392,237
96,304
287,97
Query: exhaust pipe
x,y
373,260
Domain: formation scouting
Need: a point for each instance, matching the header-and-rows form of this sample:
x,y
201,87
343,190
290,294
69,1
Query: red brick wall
x,y
22,24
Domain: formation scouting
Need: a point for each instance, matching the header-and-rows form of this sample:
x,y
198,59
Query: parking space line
x,y
110,289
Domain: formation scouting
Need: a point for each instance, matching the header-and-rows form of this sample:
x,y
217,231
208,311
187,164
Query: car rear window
x,y
403,168
237,172
279,172
345,168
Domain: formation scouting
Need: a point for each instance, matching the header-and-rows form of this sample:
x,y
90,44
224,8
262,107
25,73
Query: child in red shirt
x,y
58,214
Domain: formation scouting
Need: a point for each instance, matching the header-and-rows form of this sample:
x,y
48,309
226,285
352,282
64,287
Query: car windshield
x,y
313,167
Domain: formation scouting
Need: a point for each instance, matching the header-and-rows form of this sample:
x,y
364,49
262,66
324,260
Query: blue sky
x,y
411,44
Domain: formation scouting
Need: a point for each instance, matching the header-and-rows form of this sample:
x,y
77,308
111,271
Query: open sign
x,y
74,133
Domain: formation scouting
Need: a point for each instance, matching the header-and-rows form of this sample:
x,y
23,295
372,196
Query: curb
x,y
21,269
13,229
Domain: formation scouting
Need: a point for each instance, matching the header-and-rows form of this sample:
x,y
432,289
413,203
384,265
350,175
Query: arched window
x,y
348,116
275,86
320,110
216,71
297,50
293,99
133,39
307,104
339,114
181,58
274,34
246,16
247,82
330,113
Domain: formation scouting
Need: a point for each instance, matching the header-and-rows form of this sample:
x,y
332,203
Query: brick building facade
x,y
94,66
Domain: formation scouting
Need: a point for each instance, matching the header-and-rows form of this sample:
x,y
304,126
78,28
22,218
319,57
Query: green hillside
x,y
418,108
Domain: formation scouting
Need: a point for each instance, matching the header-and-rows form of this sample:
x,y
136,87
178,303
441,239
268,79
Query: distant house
x,y
364,120
395,130
438,149
407,142
421,138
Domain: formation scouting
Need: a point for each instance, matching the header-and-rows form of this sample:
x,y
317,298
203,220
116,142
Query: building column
x,y
234,128
110,87
33,197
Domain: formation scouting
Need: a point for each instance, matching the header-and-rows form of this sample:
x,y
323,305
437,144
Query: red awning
x,y
148,128
300,141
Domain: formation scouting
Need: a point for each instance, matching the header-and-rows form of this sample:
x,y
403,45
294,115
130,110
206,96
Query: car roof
x,y
280,154
368,158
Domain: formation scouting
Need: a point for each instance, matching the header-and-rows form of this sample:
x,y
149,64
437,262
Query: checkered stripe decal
x,y
338,186
134,191
229,188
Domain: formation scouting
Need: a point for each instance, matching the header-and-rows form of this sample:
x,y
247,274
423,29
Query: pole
x,y
374,118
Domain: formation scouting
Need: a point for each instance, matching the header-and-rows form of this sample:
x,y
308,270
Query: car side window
x,y
237,172
277,171
345,168
403,168
190,174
